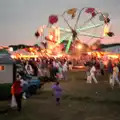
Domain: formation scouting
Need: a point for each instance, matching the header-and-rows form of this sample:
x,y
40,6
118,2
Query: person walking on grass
x,y
17,92
57,92
92,73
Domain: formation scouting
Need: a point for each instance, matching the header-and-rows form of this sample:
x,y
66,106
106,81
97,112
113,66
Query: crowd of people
x,y
56,69
51,68
97,67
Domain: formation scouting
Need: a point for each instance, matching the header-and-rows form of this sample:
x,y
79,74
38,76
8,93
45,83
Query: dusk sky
x,y
19,19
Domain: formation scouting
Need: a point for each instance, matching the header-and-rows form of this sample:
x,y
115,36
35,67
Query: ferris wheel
x,y
80,25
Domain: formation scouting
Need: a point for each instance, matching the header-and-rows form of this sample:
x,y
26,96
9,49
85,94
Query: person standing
x,y
115,75
17,92
110,68
70,65
92,73
60,72
101,67
65,69
88,75
29,69
24,85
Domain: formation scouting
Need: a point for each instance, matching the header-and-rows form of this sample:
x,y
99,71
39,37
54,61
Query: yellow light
x,y
13,56
11,49
51,37
89,53
29,56
113,56
79,46
51,46
58,55
106,29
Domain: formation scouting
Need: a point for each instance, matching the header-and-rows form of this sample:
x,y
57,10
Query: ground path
x,y
80,101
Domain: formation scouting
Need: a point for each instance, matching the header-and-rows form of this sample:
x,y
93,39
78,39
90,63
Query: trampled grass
x,y
80,101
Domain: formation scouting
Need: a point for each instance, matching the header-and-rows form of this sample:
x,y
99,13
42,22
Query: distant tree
x,y
20,46
109,45
36,45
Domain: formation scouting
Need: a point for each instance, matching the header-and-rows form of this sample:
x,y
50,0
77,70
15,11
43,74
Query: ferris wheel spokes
x,y
78,18
68,44
65,30
89,35
89,27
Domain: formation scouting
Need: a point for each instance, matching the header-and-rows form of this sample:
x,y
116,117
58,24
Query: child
x,y
57,92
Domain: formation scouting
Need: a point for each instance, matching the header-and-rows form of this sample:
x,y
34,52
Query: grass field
x,y
80,101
